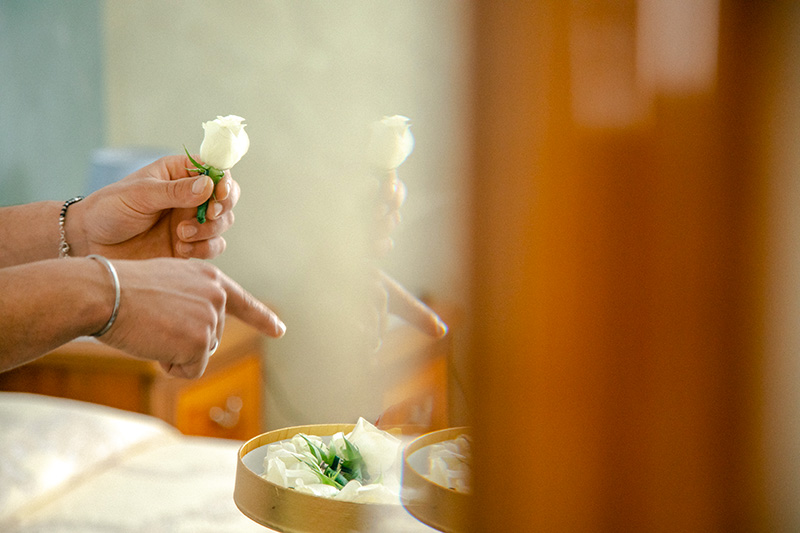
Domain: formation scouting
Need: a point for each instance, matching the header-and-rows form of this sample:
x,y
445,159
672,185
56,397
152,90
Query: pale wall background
x,y
51,97
309,77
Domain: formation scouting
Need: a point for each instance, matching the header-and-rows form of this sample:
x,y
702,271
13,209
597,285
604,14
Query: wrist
x,y
82,290
112,272
74,230
97,295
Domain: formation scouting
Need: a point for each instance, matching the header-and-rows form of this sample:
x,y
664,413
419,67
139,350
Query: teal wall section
x,y
51,97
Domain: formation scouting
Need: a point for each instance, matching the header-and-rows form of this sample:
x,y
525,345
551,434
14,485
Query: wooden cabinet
x,y
417,394
226,402
223,406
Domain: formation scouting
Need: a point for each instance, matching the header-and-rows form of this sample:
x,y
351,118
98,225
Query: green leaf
x,y
335,469
317,470
337,478
353,466
200,168
351,451
315,450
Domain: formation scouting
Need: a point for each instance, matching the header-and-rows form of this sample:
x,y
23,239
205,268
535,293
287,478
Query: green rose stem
x,y
213,173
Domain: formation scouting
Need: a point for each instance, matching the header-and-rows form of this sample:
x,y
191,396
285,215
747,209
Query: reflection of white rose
x,y
225,142
390,142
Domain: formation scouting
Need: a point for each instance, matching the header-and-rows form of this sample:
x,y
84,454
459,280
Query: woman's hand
x,y
151,213
173,311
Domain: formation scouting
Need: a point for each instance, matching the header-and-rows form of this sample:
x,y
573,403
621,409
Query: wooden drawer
x,y
226,406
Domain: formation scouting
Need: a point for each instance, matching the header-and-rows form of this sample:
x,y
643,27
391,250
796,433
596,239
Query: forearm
x,y
48,303
29,233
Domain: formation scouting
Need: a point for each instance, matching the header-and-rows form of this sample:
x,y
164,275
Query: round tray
x,y
291,511
440,507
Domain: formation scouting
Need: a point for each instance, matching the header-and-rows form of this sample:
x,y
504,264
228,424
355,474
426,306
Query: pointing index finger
x,y
250,310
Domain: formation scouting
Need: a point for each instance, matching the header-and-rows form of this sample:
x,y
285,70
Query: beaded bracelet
x,y
115,279
63,247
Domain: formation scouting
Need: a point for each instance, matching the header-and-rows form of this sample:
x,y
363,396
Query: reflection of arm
x,y
48,303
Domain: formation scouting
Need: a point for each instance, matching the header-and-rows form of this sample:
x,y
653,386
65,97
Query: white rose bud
x,y
225,142
391,142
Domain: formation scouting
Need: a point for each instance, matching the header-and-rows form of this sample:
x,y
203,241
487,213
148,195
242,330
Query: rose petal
x,y
225,142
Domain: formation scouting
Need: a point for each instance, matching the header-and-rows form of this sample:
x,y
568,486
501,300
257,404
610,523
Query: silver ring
x,y
213,347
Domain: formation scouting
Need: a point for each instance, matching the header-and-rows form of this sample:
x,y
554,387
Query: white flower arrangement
x,y
363,466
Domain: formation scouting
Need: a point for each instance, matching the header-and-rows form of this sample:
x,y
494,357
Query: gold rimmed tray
x,y
439,507
291,511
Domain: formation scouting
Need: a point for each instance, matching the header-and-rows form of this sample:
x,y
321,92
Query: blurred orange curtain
x,y
617,264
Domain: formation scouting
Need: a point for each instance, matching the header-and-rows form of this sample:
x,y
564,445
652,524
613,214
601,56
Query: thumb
x,y
158,195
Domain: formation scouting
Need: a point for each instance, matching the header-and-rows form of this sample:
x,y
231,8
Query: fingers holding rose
x,y
204,241
226,195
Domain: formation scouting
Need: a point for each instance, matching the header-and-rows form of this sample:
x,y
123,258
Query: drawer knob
x,y
228,416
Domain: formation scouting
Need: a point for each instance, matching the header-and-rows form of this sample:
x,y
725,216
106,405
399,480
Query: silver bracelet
x,y
115,279
63,247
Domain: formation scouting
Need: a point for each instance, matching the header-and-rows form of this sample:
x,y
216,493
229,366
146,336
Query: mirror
x,y
91,81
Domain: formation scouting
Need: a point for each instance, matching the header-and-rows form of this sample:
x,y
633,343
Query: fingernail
x,y
188,231
199,184
225,192
217,209
183,248
279,326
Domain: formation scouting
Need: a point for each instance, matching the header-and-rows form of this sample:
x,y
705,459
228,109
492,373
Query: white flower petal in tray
x,y
307,507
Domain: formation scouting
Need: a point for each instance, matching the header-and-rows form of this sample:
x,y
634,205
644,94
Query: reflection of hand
x,y
391,195
150,213
390,296
402,303
173,311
